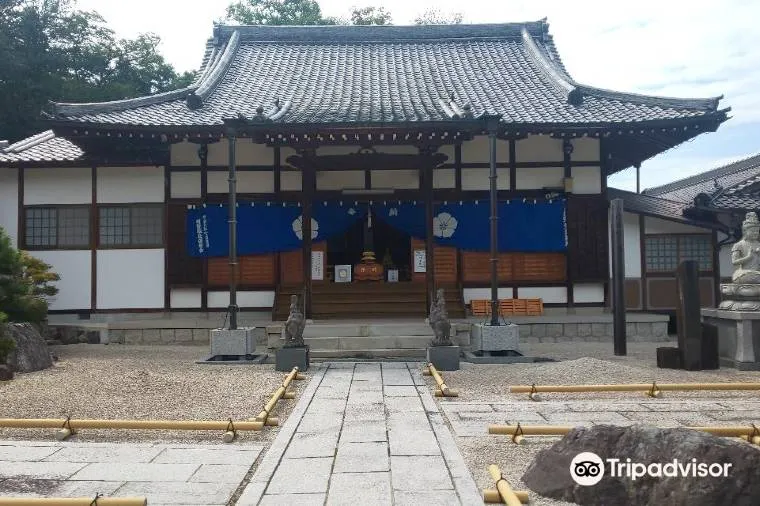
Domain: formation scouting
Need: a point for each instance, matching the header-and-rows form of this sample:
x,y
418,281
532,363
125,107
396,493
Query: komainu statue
x,y
294,325
744,293
439,321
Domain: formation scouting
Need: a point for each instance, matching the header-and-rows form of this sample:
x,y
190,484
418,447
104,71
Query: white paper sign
x,y
393,275
420,260
317,265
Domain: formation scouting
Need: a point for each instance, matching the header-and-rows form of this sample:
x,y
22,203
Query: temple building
x,y
362,158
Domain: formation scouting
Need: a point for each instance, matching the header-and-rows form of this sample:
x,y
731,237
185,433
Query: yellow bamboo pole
x,y
755,440
443,390
633,387
748,431
280,393
73,501
491,496
505,490
56,423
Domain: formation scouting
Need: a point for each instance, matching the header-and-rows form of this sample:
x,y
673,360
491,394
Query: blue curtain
x,y
409,217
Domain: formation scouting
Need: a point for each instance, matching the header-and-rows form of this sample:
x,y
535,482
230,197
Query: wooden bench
x,y
509,307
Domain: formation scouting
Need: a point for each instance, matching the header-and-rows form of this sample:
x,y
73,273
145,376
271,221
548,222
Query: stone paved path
x,y
363,433
471,419
164,473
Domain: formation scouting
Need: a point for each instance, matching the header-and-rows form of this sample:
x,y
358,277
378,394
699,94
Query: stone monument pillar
x,y
737,318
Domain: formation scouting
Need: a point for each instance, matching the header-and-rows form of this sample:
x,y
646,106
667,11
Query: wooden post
x,y
307,175
494,222
618,276
232,308
427,178
567,151
688,316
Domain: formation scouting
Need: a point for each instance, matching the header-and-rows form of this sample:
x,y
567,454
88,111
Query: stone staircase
x,y
368,340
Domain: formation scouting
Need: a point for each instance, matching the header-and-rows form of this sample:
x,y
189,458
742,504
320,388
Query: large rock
x,y
549,473
31,353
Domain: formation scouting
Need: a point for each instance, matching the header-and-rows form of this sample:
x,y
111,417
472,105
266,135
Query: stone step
x,y
364,343
361,330
377,353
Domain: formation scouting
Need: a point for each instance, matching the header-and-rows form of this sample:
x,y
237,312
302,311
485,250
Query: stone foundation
x,y
567,332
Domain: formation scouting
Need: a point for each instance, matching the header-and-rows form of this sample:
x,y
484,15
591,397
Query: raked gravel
x,y
143,382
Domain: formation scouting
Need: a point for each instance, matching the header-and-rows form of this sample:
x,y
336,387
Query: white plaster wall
x,y
290,180
532,178
631,246
9,203
185,298
184,154
444,178
130,184
249,153
248,181
478,150
477,179
58,186
244,299
588,293
340,179
448,150
586,180
657,226
539,148
396,179
549,294
129,279
185,185
485,293
217,153
74,268
585,149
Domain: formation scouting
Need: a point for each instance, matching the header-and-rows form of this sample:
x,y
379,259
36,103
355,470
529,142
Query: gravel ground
x,y
580,363
142,382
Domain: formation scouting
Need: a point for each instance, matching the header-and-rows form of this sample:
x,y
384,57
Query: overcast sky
x,y
700,48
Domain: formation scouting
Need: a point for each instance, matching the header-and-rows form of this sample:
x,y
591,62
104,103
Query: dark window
x,y
664,252
57,227
125,226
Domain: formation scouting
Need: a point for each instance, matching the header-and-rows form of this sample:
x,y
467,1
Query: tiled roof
x,y
385,74
42,147
645,204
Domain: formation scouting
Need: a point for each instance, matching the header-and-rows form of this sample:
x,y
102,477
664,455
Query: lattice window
x,y
57,227
127,226
663,253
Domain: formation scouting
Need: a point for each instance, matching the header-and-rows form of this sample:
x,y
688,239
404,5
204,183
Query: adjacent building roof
x,y
386,75
42,147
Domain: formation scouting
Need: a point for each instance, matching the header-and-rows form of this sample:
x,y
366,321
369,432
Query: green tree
x,y
370,16
436,17
277,12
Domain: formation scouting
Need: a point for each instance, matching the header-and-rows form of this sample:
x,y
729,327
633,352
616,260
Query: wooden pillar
x,y
94,234
427,192
644,290
203,156
309,183
165,234
232,178
715,268
618,276
567,151
494,225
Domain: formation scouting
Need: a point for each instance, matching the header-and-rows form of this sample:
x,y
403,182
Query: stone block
x,y
413,442
23,453
310,445
183,335
201,335
570,329
495,338
288,358
136,472
133,336
554,330
660,329
220,473
363,431
644,329
111,454
630,330
444,358
177,492
441,497
291,479
584,329
524,330
538,330
417,473
598,329
116,336
167,336
375,489
233,342
362,458
212,455
151,336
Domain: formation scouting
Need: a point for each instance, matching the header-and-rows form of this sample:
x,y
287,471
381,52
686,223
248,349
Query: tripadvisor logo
x,y
587,469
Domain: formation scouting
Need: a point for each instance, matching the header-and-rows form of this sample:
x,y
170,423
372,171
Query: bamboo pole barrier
x,y
442,390
73,501
69,426
280,393
491,496
651,389
508,495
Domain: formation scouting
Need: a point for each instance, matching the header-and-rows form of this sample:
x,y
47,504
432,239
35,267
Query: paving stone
x,y
363,431
492,417
606,406
415,420
292,500
397,377
675,418
520,407
365,397
399,365
420,473
583,416
308,479
745,415
320,422
468,406
332,392
437,497
136,472
682,406
220,473
365,413
120,454
362,458
413,442
306,445
56,488
400,391
6,442
375,489
177,492
26,454
368,376
42,470
366,386
326,406
404,404
208,456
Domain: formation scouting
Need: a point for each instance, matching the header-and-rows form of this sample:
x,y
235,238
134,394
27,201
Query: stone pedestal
x,y
288,358
740,297
495,338
444,358
738,337
233,342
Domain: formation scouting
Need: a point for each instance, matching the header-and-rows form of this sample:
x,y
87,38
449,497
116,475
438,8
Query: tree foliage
x,y
436,17
51,51
24,283
370,16
300,13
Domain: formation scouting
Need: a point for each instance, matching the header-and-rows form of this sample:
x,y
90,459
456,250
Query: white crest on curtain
x,y
298,227
444,225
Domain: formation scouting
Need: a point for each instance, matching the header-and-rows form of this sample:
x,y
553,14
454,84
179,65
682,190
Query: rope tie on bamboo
x,y
94,502
518,435
653,391
533,394
67,424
